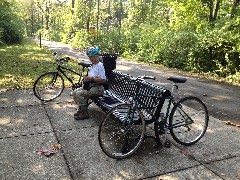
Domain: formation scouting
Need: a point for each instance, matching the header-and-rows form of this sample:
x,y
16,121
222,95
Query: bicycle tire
x,y
48,86
188,121
121,131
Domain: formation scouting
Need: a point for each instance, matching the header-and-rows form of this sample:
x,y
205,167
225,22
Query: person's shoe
x,y
82,116
78,112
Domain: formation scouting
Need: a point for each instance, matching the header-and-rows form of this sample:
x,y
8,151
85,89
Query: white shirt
x,y
97,70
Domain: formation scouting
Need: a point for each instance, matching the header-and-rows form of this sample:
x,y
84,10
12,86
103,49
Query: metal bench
x,y
121,88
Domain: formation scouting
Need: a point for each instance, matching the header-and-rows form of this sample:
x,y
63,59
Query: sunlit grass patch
x,y
21,65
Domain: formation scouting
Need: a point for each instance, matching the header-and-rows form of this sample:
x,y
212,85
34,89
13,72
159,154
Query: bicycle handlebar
x,y
60,60
139,78
66,59
146,77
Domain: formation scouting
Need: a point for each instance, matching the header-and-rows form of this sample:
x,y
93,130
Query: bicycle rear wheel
x,y
48,86
122,131
188,121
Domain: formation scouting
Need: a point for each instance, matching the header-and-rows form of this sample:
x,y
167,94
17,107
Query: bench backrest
x,y
121,86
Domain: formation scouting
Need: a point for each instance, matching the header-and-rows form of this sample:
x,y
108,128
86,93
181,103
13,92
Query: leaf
x,y
49,151
187,153
56,146
45,152
232,124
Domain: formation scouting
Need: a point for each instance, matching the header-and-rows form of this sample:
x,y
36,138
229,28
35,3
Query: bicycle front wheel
x,y
122,131
48,86
188,121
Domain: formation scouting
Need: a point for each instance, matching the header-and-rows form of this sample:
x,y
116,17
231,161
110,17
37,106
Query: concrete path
x,y
29,128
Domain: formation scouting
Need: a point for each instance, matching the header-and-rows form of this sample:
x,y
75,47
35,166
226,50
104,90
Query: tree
x,y
11,29
234,7
213,6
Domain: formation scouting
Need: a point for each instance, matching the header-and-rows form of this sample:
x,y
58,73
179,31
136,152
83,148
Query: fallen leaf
x,y
227,122
56,146
187,153
45,152
232,124
49,151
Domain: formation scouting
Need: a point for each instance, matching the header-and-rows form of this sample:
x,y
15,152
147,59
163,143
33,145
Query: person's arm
x,y
97,80
94,79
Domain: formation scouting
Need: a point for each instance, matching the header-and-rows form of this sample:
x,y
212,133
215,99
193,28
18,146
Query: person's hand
x,y
86,78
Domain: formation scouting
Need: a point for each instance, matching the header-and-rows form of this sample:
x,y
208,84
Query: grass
x,y
20,65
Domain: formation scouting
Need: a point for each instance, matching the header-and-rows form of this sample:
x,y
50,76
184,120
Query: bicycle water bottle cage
x,y
177,79
85,64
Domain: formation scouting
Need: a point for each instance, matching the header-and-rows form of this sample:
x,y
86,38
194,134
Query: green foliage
x,y
22,64
11,29
82,39
194,35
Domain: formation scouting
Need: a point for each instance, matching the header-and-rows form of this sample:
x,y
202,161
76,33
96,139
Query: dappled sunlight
x,y
38,168
24,62
125,174
19,121
3,50
5,121
11,122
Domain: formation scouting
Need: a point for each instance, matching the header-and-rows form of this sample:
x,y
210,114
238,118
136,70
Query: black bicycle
x,y
50,85
124,127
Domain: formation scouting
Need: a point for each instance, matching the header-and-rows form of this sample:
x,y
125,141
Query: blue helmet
x,y
93,51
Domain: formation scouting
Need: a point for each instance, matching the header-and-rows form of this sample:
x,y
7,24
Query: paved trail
x,y
222,100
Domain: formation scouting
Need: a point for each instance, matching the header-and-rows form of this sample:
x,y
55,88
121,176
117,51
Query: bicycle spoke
x,y
119,137
48,86
188,120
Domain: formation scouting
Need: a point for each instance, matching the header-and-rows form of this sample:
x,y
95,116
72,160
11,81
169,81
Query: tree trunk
x,y
234,7
109,12
98,15
217,6
210,6
73,5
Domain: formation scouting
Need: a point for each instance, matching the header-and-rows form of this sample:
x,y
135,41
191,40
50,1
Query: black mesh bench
x,y
121,88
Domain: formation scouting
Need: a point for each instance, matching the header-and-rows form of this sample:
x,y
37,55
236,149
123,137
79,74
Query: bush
x,y
81,40
11,26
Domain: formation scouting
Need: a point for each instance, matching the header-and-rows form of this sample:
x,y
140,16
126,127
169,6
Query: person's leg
x,y
80,97
97,90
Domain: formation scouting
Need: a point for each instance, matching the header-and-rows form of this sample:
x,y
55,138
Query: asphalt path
x,y
222,100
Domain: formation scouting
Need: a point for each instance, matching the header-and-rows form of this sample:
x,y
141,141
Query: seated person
x,y
95,76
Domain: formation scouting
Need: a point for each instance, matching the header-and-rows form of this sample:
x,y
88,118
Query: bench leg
x,y
158,141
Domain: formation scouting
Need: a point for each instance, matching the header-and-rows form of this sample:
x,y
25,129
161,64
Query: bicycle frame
x,y
157,114
63,70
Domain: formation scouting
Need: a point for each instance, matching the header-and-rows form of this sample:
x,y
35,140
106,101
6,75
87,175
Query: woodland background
x,y
201,36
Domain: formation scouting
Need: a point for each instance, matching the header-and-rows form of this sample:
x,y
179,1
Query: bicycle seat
x,y
177,79
85,64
